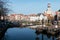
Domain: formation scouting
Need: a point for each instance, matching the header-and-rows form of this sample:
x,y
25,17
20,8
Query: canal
x,y
25,34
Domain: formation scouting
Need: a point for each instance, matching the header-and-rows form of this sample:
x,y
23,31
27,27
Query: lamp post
x,y
56,20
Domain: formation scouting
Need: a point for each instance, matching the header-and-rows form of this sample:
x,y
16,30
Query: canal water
x,y
25,34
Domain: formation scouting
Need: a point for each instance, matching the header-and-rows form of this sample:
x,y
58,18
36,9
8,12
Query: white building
x,y
34,18
41,17
17,17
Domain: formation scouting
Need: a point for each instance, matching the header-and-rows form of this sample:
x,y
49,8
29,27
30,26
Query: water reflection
x,y
37,38
37,34
25,34
48,37
20,34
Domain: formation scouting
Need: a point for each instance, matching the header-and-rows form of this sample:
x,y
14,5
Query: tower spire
x,y
49,5
48,11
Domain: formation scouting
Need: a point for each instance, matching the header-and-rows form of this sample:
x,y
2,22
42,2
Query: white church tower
x,y
48,12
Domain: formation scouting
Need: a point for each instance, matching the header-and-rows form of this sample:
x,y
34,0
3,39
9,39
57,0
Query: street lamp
x,y
56,21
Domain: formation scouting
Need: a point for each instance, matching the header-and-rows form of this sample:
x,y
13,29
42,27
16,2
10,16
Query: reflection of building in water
x,y
37,38
37,33
48,36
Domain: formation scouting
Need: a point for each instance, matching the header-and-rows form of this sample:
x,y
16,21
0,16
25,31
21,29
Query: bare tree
x,y
3,8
